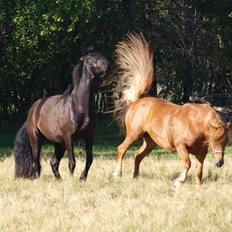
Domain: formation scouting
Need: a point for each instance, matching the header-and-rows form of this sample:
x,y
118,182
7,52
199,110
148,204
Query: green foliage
x,y
41,41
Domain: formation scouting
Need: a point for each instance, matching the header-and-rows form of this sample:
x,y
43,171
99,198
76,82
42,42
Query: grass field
x,y
107,204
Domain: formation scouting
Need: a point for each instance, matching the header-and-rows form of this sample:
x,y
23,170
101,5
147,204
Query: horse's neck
x,y
82,91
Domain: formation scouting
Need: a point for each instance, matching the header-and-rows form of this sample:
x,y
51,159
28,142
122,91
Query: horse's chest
x,y
81,121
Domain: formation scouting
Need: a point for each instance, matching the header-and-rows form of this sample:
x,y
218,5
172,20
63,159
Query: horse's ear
x,y
228,125
85,51
90,49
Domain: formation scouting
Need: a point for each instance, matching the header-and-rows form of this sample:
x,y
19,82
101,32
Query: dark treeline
x,y
42,40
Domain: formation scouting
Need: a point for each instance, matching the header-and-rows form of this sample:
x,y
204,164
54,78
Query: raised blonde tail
x,y
134,59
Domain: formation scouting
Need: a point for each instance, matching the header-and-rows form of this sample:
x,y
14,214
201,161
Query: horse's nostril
x,y
219,163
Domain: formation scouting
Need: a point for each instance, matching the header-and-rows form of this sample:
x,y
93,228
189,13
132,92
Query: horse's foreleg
x,y
199,168
147,146
121,150
183,152
55,161
70,149
89,157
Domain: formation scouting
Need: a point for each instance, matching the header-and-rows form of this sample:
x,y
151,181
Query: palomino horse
x,y
190,128
61,119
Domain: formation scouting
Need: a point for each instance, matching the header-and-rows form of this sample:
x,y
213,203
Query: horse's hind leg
x,y
121,150
183,152
35,141
89,157
147,146
55,161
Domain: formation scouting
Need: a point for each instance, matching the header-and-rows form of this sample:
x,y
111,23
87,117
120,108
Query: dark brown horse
x,y
187,129
61,119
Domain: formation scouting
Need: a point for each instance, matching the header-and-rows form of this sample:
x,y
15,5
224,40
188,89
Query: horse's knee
x,y
119,150
90,160
139,158
187,163
54,163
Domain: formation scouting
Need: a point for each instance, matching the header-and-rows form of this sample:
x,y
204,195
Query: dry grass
x,y
106,204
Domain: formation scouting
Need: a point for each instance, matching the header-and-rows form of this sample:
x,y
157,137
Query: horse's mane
x,y
215,119
217,123
76,76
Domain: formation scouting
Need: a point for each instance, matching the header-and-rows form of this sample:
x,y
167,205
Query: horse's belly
x,y
160,137
51,134
50,128
164,143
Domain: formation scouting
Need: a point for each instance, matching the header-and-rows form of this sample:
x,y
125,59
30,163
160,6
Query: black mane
x,y
76,76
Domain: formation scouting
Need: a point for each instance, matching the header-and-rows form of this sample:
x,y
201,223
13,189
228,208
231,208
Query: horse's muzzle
x,y
219,163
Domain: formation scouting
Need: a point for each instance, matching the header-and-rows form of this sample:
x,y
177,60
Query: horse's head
x,y
218,129
96,63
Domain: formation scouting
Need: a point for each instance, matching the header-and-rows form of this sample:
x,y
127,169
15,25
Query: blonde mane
x,y
218,125
215,119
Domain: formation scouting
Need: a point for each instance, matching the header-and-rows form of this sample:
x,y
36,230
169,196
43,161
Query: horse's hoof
x,y
58,178
135,176
198,184
83,178
71,173
177,184
116,174
37,175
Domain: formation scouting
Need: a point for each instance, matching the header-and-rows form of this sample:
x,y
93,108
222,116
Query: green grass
x,y
107,138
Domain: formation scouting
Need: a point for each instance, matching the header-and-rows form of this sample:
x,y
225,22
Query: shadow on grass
x,y
107,138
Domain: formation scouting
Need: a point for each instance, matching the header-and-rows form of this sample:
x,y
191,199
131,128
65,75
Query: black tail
x,y
23,155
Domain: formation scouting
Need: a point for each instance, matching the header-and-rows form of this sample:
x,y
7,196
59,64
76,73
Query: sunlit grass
x,y
107,204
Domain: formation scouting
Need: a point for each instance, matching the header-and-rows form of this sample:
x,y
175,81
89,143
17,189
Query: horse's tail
x,y
23,154
134,59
